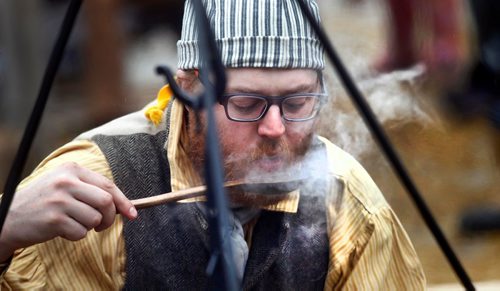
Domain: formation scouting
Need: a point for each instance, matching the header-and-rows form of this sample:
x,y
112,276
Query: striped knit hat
x,y
254,33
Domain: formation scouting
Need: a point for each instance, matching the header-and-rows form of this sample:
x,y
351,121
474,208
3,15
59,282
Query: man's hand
x,y
68,202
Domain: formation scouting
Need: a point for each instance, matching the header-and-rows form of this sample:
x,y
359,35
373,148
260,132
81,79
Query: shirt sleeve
x,y
95,262
369,249
389,261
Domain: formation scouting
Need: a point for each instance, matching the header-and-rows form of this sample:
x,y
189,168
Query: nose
x,y
271,125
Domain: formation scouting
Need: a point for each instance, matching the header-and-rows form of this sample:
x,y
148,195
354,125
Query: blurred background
x,y
429,69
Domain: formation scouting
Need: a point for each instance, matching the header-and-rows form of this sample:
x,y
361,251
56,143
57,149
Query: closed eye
x,y
246,105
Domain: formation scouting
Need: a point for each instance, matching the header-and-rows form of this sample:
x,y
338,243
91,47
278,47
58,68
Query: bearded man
x,y
333,231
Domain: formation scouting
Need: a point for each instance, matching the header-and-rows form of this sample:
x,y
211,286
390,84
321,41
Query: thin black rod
x,y
221,269
223,274
387,148
17,168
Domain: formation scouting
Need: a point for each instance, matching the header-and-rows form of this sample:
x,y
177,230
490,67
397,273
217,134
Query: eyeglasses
x,y
248,107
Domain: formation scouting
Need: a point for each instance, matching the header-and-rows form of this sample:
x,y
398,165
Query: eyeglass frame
x,y
271,100
278,100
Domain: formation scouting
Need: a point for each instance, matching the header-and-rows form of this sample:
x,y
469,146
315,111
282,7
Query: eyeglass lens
x,y
252,107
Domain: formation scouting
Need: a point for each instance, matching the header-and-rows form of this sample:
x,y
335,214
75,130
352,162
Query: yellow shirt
x,y
369,250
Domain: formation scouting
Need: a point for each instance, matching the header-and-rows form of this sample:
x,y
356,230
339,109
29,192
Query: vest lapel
x,y
269,236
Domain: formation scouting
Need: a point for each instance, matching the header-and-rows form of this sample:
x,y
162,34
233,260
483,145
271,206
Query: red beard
x,y
269,159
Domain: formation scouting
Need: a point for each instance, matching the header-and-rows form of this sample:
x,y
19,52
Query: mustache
x,y
240,165
269,148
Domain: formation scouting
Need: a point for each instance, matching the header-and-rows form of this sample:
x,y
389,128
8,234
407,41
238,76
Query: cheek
x,y
237,136
297,131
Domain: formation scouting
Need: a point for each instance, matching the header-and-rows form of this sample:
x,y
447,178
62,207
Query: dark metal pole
x,y
17,168
221,269
387,148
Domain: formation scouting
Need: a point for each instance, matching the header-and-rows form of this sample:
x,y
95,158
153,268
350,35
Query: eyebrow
x,y
301,88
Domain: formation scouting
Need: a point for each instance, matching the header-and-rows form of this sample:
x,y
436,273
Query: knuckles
x,y
55,220
57,201
105,201
64,181
108,186
70,167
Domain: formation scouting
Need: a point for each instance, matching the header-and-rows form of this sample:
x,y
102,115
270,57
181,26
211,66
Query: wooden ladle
x,y
238,190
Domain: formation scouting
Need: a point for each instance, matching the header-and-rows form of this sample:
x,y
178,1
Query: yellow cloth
x,y
155,112
369,250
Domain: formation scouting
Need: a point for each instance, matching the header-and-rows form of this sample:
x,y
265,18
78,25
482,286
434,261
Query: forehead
x,y
271,81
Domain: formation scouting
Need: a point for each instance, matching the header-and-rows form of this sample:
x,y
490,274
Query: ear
x,y
188,81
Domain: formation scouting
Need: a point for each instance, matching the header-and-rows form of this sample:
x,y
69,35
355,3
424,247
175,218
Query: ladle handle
x,y
169,197
175,196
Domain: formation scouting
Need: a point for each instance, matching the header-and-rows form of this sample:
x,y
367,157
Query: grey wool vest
x,y
167,246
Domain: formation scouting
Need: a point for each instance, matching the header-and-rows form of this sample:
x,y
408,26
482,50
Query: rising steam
x,y
391,96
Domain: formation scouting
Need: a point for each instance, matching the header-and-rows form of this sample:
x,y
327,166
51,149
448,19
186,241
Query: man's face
x,y
270,145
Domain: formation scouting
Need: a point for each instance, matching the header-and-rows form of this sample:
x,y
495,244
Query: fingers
x,y
118,199
85,215
72,229
97,199
96,191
